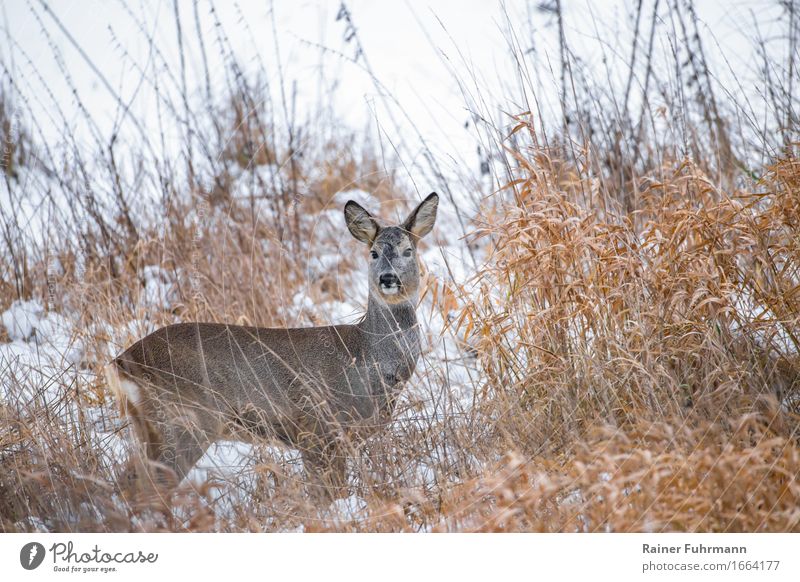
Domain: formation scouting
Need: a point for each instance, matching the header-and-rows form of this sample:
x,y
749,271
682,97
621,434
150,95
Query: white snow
x,y
351,508
21,318
44,346
158,290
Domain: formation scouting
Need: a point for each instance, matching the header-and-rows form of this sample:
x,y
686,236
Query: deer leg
x,y
181,449
174,444
325,464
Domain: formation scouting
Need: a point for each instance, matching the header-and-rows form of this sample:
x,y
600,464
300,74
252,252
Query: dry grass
x,y
624,358
639,373
645,366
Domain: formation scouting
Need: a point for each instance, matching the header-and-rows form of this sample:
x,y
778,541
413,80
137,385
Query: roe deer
x,y
187,385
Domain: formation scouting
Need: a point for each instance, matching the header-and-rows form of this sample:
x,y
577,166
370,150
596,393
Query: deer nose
x,y
389,280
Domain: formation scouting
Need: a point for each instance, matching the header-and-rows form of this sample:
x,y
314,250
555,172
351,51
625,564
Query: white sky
x,y
466,35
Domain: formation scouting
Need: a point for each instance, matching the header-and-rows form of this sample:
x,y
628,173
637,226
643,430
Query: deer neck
x,y
391,346
383,320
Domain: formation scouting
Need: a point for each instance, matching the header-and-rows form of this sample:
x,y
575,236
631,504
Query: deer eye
x,y
373,254
407,253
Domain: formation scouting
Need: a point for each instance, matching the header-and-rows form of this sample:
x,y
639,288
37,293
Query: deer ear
x,y
420,221
360,222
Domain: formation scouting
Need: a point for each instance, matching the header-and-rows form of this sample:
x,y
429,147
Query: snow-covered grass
x,y
609,305
54,360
